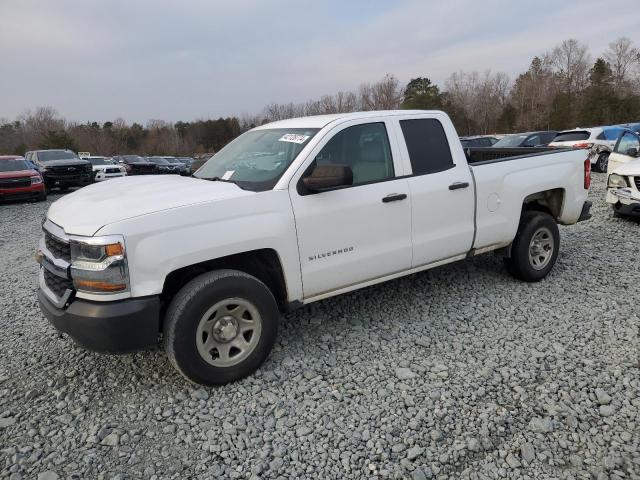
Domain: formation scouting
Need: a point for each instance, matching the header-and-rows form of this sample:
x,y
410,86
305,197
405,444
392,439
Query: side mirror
x,y
632,152
324,177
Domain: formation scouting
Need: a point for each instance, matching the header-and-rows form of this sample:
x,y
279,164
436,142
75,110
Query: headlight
x,y
616,181
99,265
36,179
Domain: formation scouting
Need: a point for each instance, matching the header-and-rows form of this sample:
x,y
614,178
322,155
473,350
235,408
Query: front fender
x,y
160,243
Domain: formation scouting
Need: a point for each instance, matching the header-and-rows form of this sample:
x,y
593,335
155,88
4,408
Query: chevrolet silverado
x,y
287,214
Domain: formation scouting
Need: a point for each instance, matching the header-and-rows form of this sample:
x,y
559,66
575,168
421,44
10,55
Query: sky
x,y
190,59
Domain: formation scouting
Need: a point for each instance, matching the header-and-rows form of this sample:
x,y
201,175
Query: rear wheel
x,y
535,249
220,327
602,162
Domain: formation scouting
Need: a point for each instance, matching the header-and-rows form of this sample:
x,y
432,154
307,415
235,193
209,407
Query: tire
x,y
203,307
602,162
42,197
534,251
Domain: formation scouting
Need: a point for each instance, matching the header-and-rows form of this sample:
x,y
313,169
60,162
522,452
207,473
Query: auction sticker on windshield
x,y
293,138
228,174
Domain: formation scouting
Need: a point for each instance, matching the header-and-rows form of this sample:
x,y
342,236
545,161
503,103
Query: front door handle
x,y
394,197
458,185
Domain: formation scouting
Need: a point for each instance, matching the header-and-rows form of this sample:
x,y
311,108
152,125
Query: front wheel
x,y
220,327
535,249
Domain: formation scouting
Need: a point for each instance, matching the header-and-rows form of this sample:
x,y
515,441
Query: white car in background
x,y
105,168
601,141
626,150
623,189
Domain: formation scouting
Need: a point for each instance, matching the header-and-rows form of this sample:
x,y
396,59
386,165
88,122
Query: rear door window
x,y
427,144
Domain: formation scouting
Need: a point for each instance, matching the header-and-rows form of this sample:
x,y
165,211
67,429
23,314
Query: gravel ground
x,y
461,372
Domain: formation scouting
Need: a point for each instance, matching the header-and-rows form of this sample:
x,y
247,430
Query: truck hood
x,y
18,174
88,209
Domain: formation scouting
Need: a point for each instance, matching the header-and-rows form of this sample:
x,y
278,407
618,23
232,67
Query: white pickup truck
x,y
289,213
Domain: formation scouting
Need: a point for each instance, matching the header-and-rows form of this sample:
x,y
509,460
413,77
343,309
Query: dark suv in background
x,y
164,166
61,168
136,165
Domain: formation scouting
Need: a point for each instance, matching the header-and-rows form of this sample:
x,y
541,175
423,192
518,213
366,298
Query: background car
x,y
601,141
627,149
61,168
634,127
163,165
188,162
105,168
19,180
623,189
478,141
180,166
136,165
527,139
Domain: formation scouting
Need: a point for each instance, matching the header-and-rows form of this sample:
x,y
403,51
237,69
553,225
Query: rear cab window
x,y
427,145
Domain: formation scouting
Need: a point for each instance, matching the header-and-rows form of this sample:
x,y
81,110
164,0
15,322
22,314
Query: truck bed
x,y
501,186
482,155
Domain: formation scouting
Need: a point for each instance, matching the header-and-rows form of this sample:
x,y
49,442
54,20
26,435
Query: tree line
x,y
561,89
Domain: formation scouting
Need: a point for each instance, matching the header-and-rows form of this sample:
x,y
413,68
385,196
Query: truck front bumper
x,y
109,327
624,201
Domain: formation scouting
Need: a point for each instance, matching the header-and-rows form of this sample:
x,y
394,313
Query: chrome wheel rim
x,y
541,248
228,332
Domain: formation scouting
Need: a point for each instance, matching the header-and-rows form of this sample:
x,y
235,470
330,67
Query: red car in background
x,y
19,180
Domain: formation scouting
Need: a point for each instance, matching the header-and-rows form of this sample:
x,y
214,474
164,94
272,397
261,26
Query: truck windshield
x,y
13,165
257,159
49,155
100,161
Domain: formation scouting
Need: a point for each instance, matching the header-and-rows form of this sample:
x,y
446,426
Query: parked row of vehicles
x,y
39,171
600,140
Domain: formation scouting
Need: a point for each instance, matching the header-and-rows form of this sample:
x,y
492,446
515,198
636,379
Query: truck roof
x,y
319,121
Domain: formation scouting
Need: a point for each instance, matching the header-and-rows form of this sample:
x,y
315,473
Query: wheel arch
x,y
264,264
549,201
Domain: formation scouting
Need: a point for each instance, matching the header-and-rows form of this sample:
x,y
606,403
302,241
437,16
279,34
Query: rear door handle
x,y
458,185
394,197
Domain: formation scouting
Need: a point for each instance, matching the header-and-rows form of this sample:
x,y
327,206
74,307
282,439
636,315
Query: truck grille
x,y
637,182
57,247
70,169
15,182
56,284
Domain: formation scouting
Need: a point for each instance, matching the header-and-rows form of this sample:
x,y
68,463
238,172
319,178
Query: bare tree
x,y
479,99
622,56
571,61
383,95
